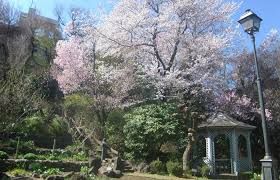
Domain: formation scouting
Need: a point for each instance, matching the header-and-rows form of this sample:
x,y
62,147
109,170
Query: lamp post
x,y
251,24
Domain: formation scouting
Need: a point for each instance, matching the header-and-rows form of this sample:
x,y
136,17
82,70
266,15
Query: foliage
x,y
149,126
51,171
157,167
78,113
85,170
37,168
256,176
204,170
19,98
19,172
57,126
77,104
174,168
36,125
30,156
80,156
3,155
114,130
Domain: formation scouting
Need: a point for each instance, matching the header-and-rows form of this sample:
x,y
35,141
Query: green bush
x,y
81,156
3,155
30,156
149,126
37,168
256,176
174,168
19,172
53,157
157,167
204,170
51,171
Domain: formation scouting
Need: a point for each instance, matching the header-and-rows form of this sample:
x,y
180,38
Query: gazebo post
x,y
234,149
209,152
249,152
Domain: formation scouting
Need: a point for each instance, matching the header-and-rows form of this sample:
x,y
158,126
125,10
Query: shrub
x,y
157,122
204,170
81,156
19,172
37,168
3,155
53,157
51,171
174,168
30,156
157,167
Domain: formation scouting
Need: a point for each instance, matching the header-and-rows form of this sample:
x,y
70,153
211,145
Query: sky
x,y
268,10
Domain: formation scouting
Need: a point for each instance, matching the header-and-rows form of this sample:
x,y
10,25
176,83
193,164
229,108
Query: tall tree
x,y
78,66
176,43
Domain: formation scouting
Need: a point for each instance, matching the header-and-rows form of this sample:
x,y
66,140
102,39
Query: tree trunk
x,y
187,156
187,153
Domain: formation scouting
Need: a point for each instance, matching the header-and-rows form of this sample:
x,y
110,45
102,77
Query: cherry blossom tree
x,y
176,42
78,67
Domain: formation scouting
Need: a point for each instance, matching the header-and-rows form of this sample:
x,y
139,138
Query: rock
x,y
77,176
109,172
68,174
35,175
102,171
4,176
94,165
143,167
55,177
116,163
117,174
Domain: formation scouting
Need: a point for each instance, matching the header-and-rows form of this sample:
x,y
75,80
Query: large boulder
x,y
109,168
143,167
94,165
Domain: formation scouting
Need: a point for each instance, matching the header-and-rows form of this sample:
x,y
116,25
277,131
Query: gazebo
x,y
228,147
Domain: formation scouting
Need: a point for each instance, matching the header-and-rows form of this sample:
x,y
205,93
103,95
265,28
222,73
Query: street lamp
x,y
251,24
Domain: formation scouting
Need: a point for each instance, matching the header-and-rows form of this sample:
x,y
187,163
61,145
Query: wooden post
x,y
54,143
18,140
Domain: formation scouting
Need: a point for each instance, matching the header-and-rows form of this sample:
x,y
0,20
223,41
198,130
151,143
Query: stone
x,y
94,165
117,174
68,174
77,176
116,163
109,172
35,175
143,167
55,177
4,176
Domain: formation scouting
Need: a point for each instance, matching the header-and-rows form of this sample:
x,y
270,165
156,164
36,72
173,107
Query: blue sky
x,y
269,11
